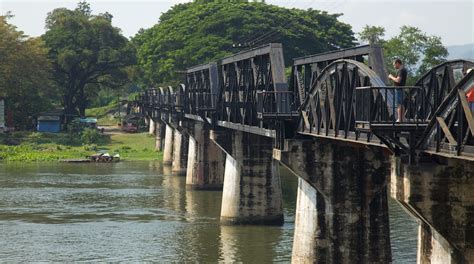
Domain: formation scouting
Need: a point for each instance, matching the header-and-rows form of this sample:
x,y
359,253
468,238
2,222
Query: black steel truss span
x,y
432,117
438,82
451,128
329,107
200,81
243,77
240,89
306,70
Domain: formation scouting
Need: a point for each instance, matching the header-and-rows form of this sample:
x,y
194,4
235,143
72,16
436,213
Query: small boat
x,y
104,157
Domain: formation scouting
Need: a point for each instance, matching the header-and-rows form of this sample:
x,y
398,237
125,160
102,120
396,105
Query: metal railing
x,y
276,104
390,105
158,101
200,102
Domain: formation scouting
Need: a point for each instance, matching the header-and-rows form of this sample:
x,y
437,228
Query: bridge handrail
x,y
378,105
276,104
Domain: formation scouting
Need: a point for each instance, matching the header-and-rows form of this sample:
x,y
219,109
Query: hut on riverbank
x,y
50,121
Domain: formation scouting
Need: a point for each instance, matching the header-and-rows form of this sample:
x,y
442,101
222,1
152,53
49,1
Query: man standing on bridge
x,y
399,80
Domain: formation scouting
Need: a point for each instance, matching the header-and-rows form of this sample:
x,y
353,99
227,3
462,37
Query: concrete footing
x,y
342,209
168,149
440,195
205,165
180,152
252,190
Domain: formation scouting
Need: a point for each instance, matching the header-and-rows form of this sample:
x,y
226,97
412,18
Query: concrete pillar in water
x,y
151,127
342,209
168,149
180,152
440,194
252,190
205,166
159,135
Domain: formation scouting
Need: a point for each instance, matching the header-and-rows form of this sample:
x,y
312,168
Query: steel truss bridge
x,y
341,95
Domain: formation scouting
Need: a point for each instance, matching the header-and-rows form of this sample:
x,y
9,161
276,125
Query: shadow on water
x,y
139,211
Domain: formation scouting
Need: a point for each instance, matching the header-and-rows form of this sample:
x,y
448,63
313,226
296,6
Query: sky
x,y
452,20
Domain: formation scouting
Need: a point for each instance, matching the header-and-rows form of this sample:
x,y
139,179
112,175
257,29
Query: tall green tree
x,y
372,34
87,52
198,32
418,50
24,74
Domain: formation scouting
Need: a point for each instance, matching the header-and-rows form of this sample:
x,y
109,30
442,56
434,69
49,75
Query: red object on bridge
x,y
470,95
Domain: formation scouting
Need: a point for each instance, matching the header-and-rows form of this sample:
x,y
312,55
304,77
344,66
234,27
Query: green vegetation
x,y
418,50
24,74
88,54
26,146
90,136
201,31
106,115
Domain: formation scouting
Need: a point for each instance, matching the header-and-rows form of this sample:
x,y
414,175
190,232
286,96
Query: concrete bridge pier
x,y
252,190
205,164
160,128
440,194
151,126
168,148
342,209
180,152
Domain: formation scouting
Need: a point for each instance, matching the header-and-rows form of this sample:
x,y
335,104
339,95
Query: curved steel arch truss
x,y
438,82
329,107
451,128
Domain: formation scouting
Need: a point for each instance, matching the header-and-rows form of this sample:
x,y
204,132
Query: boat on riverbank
x,y
98,158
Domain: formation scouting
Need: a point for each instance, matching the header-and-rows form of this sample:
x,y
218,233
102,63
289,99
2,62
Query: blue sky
x,y
452,20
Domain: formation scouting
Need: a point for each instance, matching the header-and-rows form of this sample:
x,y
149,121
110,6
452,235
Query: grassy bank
x,y
106,115
33,146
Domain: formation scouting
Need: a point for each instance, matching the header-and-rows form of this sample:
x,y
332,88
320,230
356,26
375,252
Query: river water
x,y
138,211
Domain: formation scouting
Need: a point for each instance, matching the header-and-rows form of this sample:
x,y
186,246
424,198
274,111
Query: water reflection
x,y
249,244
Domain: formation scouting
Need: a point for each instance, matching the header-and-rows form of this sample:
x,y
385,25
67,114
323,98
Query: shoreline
x,y
52,147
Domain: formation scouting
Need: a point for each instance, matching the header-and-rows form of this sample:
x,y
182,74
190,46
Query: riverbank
x,y
34,146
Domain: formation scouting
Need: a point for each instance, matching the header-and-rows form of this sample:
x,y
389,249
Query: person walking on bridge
x,y
399,80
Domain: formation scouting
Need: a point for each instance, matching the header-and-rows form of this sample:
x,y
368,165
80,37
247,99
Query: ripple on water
x,y
129,212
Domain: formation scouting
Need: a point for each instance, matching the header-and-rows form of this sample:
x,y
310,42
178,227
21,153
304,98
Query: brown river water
x,y
138,211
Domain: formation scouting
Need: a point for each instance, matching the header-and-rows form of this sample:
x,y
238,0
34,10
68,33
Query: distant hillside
x,y
461,52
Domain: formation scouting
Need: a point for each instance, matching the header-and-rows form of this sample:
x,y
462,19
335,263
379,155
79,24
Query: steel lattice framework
x,y
438,82
329,108
451,125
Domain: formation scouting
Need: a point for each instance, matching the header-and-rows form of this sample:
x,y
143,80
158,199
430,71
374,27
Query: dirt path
x,y
112,130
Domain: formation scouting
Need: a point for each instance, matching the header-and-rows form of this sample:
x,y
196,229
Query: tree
x,y
202,31
24,74
87,52
418,51
372,34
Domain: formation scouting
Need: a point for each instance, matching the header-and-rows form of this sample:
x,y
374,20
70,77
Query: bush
x,y
90,135
90,147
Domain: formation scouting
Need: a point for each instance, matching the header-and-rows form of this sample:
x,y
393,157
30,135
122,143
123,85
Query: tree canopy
x,y
195,33
24,73
418,50
87,53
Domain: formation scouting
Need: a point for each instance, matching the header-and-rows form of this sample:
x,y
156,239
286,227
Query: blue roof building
x,y
49,122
